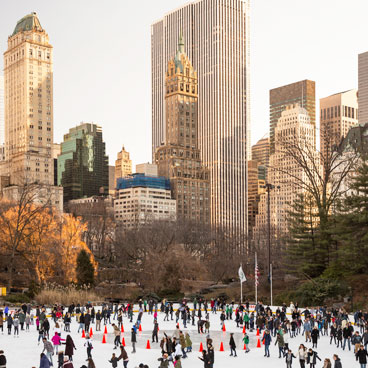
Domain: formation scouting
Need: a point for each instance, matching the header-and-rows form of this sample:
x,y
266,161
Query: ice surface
x,y
24,352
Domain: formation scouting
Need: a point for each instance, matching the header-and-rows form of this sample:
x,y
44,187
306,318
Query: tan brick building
x,y
179,159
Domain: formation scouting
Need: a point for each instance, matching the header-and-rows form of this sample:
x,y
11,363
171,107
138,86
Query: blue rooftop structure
x,y
141,180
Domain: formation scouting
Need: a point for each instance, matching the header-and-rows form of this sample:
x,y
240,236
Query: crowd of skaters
x,y
277,328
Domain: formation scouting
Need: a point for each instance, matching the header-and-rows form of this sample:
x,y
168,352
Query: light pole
x,y
269,187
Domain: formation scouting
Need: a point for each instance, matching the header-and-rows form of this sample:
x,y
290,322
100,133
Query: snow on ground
x,y
24,352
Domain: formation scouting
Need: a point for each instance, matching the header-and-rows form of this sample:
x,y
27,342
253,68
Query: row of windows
x,y
334,112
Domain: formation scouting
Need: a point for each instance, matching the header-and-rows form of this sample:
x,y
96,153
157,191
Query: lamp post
x,y
269,187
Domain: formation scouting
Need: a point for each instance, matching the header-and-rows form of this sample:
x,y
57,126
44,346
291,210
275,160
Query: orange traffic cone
x,y
123,343
122,328
140,328
148,345
257,332
83,334
201,348
105,332
245,347
90,332
177,325
244,329
223,327
104,339
258,343
222,347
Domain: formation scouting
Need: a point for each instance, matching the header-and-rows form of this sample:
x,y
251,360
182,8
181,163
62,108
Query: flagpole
x,y
241,287
255,277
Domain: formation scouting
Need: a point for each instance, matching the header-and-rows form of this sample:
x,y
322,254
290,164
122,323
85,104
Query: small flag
x,y
241,275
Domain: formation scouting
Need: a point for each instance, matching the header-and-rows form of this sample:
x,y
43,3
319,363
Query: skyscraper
x,y
216,36
339,112
179,159
29,104
83,164
123,164
2,117
363,88
302,93
294,125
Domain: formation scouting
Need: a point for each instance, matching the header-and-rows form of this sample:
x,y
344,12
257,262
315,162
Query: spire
x,y
181,44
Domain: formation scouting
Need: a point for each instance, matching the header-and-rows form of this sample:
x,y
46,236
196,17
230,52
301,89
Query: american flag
x,y
256,273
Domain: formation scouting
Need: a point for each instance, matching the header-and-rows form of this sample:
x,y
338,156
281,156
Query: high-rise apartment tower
x,y
216,36
28,104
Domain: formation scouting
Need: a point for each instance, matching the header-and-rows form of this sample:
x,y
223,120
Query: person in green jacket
x,y
246,320
246,342
188,342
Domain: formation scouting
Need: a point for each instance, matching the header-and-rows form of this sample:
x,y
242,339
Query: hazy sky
x,y
102,70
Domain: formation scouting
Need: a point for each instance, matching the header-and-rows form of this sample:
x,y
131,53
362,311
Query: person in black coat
x,y
315,336
312,358
361,355
133,339
337,361
2,359
232,345
205,359
333,333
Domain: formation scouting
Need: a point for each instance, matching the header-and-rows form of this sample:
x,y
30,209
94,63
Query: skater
x,y
361,356
133,339
188,342
123,356
337,361
117,334
47,346
88,345
164,362
312,357
155,332
56,340
267,341
69,347
232,345
114,361
246,343
2,359
67,363
289,358
302,353
44,362
205,359
280,341
327,363
315,336
177,363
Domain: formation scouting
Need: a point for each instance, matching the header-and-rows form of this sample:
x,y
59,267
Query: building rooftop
x,y
28,23
144,181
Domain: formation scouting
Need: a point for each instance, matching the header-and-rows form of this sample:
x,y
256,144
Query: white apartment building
x,y
293,127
